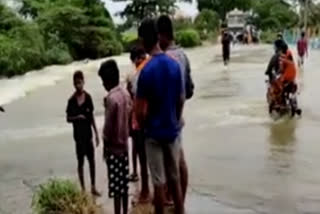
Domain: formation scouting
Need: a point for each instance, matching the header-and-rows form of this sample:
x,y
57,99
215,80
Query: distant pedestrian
x,y
139,58
115,135
167,44
226,41
160,100
80,113
302,48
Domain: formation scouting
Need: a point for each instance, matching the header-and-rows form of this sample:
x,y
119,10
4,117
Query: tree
x,y
137,10
222,7
273,15
54,32
207,21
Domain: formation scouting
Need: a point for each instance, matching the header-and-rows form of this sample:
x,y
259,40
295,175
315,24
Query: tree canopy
x,y
273,15
53,32
222,7
136,10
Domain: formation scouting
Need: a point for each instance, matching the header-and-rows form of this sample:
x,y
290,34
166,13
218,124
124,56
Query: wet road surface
x,y
241,161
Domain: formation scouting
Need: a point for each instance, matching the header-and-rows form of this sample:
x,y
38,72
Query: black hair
x,y
278,44
148,31
78,75
303,34
109,71
136,52
165,26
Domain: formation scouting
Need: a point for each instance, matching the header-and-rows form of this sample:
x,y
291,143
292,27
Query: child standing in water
x,y
115,135
80,114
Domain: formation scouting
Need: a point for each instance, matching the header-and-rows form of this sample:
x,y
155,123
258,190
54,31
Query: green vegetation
x,y
129,39
206,23
273,15
268,36
188,38
45,32
62,197
222,7
137,10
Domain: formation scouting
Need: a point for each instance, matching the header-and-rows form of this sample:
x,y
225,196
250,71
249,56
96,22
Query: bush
x,y
182,24
129,40
97,42
206,22
188,38
268,36
54,32
57,52
62,197
22,49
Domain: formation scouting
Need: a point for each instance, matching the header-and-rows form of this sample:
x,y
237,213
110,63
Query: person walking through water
x,y
80,113
302,48
160,101
226,41
167,44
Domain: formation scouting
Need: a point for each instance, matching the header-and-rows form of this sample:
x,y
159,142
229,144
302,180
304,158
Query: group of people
x,y
282,71
149,110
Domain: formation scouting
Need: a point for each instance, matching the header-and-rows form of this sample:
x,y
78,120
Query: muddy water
x,y
240,160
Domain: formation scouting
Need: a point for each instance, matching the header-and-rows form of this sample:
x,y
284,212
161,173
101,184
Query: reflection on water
x,y
282,142
282,168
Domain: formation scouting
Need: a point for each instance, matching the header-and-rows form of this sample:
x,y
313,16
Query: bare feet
x,y
95,192
143,199
168,203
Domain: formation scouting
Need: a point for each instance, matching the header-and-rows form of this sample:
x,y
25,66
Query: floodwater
x,y
240,161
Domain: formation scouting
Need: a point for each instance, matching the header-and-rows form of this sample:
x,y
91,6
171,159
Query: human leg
x,y
80,159
134,155
154,151
145,191
125,204
184,174
92,168
172,153
117,205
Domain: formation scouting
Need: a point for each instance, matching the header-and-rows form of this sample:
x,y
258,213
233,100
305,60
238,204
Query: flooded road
x,y
241,161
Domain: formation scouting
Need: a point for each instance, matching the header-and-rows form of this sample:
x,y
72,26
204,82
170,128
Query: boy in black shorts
x,y
80,113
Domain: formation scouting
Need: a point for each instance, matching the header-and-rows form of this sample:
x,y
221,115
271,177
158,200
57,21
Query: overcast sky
x,y
187,8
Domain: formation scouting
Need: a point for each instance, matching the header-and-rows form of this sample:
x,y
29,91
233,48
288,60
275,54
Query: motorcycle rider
x,y
273,66
282,65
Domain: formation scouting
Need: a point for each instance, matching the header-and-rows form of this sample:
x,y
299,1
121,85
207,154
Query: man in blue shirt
x,y
160,99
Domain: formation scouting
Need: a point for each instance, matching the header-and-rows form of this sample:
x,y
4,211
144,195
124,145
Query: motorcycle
x,y
282,100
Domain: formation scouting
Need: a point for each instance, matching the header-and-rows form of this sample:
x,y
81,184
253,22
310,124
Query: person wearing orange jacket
x,y
288,71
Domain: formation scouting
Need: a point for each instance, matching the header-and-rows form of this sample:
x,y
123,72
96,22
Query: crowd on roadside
x,y
149,111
